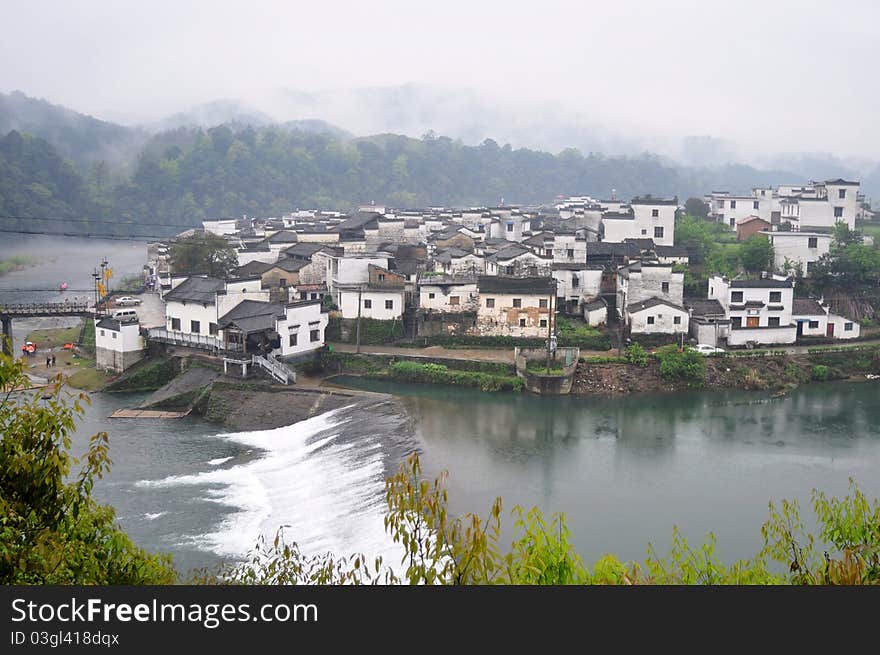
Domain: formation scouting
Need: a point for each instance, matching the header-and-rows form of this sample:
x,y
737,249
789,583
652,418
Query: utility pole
x,y
360,303
550,322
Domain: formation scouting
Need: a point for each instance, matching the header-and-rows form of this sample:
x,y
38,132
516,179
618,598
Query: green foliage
x,y
820,372
15,263
596,361
440,374
686,365
849,264
373,331
51,529
756,254
696,207
147,375
586,341
636,355
574,328
204,253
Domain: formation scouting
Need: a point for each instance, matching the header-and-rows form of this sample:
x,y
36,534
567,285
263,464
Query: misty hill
x,y
78,137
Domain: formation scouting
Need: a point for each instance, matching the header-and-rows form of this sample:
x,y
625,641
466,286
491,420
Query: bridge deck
x,y
24,310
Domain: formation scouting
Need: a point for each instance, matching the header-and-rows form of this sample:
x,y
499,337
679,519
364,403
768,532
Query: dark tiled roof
x,y
806,306
252,268
252,316
704,306
841,182
643,244
533,285
594,304
671,251
196,289
446,280
290,264
284,236
606,248
652,302
647,200
109,324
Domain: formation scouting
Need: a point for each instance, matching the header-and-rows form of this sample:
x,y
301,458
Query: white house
x,y
595,312
519,261
655,219
117,345
448,294
814,319
221,227
454,261
643,280
760,311
798,249
195,304
351,270
656,316
284,330
377,303
517,307
576,283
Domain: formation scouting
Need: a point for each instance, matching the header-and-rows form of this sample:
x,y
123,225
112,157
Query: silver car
x,y
127,301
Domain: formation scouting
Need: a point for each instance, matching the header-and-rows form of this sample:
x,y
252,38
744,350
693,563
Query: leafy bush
x,y
637,355
687,365
440,374
820,372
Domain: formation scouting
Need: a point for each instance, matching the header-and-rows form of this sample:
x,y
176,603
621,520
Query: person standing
x,y
48,361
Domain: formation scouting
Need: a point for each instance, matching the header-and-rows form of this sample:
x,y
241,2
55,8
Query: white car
x,y
706,349
126,301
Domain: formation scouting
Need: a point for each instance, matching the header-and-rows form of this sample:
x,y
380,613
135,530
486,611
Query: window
x,y
732,221
676,320
490,303
389,304
733,204
736,321
175,323
368,304
773,321
509,270
841,193
522,322
575,281
644,232
721,204
510,227
114,335
314,335
542,303
763,193
650,320
813,242
454,300
102,333
847,327
814,325
381,277
655,213
658,232
195,327
212,328
543,322
292,340
838,212
517,302
775,296
569,253
664,286
756,205
282,281
736,296
548,252
431,296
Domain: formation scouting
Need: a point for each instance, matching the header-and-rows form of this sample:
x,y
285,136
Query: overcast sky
x,y
775,75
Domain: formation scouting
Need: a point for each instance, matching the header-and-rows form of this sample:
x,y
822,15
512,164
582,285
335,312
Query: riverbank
x,y
75,365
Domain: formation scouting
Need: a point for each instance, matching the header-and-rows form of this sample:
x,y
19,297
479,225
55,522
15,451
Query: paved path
x,y
502,355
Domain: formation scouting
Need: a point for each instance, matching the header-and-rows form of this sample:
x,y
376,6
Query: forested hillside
x,y
185,175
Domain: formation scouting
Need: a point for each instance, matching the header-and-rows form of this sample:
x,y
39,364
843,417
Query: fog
x,y
749,79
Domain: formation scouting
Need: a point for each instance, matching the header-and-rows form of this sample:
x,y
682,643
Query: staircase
x,y
276,369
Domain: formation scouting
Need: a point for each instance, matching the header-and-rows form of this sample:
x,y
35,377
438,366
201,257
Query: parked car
x,y
124,315
706,349
126,301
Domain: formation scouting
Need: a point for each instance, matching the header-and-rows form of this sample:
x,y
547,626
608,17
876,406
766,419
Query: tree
x,y
696,207
51,529
756,254
204,254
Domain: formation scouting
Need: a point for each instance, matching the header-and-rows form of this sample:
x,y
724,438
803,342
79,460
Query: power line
x,y
96,220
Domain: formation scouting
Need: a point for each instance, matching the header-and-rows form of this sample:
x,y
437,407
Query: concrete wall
x,y
762,336
348,304
795,246
467,294
301,321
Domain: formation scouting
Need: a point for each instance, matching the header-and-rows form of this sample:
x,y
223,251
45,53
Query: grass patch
x,y
89,379
54,338
440,374
15,263
148,375
540,368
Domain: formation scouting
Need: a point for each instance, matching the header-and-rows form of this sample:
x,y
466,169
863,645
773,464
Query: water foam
x,y
327,495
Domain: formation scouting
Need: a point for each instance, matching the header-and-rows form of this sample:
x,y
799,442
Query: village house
x,y
575,284
563,247
118,345
656,316
455,261
352,270
442,293
519,261
760,311
195,304
381,297
798,250
815,319
749,226
288,330
709,323
508,223
595,312
649,298
517,307
643,218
